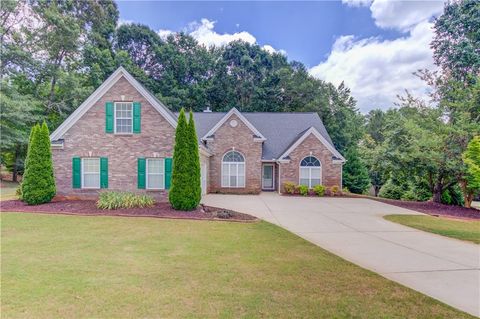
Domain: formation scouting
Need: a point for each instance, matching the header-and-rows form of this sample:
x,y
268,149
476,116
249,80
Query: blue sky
x,y
373,46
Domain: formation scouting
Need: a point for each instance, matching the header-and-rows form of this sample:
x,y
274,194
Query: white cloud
x,y
163,33
403,15
378,70
123,21
357,3
205,34
272,50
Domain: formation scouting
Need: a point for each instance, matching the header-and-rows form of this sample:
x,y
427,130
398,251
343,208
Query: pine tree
x,y
195,161
182,193
355,173
38,185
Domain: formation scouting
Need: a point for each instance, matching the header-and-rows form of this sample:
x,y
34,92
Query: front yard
x,y
468,230
77,266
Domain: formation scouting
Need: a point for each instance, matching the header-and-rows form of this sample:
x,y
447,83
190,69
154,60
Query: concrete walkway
x,y
443,268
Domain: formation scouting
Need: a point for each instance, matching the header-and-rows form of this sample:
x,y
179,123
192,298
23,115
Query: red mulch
x,y
434,209
88,207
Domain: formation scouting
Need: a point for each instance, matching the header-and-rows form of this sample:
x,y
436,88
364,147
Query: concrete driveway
x,y
443,268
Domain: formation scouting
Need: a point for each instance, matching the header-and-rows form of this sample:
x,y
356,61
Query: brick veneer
x,y
88,138
331,173
241,138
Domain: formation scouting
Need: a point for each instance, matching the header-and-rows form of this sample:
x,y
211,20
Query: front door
x,y
267,176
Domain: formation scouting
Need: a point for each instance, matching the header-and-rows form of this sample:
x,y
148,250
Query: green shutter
x,y
136,117
103,172
76,172
168,172
141,164
109,117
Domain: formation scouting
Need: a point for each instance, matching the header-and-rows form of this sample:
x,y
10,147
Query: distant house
x,y
122,137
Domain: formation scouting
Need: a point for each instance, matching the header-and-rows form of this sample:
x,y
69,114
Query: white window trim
x,y
229,163
83,172
122,118
310,172
146,173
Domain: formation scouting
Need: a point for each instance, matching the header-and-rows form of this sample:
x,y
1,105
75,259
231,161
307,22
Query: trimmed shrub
x,y
453,196
289,187
302,190
185,191
335,190
38,184
116,200
319,190
391,191
409,195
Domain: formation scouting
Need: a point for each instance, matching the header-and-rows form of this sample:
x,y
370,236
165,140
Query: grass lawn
x,y
7,190
73,266
464,230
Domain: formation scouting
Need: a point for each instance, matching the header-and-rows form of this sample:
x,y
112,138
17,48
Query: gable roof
x,y
222,120
281,130
101,90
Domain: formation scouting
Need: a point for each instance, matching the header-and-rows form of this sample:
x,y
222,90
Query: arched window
x,y
310,171
233,169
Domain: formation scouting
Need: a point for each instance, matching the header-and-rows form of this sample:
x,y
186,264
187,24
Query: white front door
x,y
203,173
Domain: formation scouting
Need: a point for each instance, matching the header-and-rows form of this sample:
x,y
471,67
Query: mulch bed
x,y
160,210
434,209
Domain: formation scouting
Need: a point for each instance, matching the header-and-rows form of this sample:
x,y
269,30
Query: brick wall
x,y
331,173
240,137
88,138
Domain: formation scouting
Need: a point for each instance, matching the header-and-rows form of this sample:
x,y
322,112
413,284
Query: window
x,y
310,172
233,170
123,117
155,173
90,172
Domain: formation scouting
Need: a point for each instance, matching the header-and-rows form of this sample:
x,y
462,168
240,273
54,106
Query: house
x,y
122,137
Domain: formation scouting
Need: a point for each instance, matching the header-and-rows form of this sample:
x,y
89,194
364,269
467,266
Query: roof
x,y
281,130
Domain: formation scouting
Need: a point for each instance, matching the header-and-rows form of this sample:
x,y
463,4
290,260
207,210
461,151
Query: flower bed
x,y
89,208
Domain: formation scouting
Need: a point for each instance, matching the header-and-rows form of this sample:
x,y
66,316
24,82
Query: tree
x,y
195,161
38,185
457,39
183,194
471,182
355,174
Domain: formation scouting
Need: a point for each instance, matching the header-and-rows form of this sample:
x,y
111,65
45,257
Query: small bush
x,y
409,195
391,191
319,190
303,190
116,200
335,190
289,187
18,191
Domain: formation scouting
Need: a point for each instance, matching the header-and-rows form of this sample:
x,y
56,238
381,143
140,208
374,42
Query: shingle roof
x,y
280,129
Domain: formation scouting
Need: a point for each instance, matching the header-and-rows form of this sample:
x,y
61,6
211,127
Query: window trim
x,y
310,171
147,159
123,118
244,163
83,173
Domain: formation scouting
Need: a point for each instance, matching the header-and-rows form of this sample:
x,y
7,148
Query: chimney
x,y
207,110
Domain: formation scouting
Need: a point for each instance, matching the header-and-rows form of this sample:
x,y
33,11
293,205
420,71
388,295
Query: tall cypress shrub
x,y
195,161
181,195
38,185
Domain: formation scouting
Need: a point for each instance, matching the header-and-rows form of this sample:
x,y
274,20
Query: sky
x,y
372,46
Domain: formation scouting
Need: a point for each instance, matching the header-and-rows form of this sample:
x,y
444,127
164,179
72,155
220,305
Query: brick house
x,y
122,136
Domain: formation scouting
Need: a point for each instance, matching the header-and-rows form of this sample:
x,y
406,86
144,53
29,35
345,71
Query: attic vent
x,y
207,110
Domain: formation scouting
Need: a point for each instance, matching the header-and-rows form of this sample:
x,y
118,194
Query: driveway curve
x,y
443,268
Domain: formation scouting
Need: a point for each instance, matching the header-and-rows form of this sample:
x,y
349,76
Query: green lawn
x,y
113,267
7,190
464,230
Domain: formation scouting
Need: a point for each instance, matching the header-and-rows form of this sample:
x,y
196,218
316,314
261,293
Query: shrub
x,y
452,196
390,190
409,195
335,190
185,191
319,190
38,184
116,200
289,187
303,190
18,191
